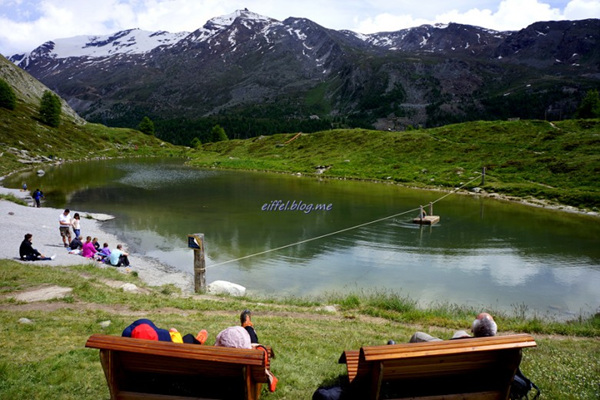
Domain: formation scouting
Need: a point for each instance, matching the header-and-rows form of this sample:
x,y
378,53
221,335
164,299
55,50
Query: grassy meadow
x,y
558,162
46,359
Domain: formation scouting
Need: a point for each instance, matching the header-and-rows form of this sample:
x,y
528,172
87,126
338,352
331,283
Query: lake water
x,y
483,253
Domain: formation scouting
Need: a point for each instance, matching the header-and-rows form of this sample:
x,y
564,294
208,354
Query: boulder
x,y
228,288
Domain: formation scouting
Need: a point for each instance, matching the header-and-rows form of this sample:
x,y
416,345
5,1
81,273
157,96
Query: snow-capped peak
x,y
227,20
132,41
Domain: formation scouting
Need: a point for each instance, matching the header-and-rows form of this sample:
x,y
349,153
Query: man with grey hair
x,y
483,325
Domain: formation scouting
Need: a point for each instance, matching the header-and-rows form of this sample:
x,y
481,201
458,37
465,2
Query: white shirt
x,y
64,220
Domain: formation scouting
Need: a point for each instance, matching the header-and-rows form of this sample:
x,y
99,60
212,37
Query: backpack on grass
x,y
521,386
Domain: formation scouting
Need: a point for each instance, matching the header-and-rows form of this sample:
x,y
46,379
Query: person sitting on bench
x,y
483,325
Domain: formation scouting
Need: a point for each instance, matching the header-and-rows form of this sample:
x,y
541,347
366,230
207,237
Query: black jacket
x,y
26,250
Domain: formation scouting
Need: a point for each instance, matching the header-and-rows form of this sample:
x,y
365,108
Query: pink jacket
x,y
88,250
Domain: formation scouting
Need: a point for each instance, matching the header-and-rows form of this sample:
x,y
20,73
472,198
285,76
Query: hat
x,y
144,331
234,336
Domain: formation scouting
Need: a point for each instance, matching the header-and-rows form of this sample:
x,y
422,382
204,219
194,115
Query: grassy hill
x,y
25,140
558,162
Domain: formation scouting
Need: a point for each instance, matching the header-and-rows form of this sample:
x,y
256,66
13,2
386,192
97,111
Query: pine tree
x,y
196,143
8,99
50,109
217,134
590,106
146,126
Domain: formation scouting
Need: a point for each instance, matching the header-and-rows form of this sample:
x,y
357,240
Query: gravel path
x,y
17,220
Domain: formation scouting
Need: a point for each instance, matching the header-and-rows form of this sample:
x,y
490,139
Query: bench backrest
x,y
136,368
474,368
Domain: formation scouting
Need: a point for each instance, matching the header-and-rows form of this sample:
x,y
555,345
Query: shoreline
x,y
42,223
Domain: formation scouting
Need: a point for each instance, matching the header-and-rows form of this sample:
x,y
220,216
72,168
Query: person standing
x,y
28,253
64,221
37,196
76,225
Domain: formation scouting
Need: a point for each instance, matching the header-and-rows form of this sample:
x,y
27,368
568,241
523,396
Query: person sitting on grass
x,y
76,243
88,250
28,253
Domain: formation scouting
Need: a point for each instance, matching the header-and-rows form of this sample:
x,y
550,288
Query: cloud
x,y
506,15
28,23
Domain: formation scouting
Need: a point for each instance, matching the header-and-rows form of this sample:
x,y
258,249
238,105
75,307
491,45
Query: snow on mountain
x,y
227,20
132,41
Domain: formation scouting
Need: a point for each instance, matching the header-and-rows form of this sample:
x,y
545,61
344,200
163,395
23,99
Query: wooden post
x,y
430,208
483,176
421,213
196,242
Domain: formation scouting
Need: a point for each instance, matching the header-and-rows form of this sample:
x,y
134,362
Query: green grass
x,y
47,359
558,162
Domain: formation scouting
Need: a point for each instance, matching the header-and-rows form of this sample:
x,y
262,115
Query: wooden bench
x,y
147,369
472,368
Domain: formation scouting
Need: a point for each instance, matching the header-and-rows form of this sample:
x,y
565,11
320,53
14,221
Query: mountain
x,y
257,75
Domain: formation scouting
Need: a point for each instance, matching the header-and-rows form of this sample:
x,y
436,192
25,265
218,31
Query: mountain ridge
x,y
245,66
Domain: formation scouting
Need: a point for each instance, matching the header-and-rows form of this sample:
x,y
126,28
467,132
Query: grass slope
x,y
46,359
558,162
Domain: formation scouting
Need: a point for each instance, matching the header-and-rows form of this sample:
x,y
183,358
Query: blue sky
x,y
25,24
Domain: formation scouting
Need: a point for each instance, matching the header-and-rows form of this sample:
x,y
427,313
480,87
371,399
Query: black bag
x,y
521,386
328,393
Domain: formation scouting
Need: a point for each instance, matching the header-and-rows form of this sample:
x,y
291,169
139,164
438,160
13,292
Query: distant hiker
x,y
37,196
28,253
64,221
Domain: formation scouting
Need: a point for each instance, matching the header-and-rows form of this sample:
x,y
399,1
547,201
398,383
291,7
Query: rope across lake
x,y
341,230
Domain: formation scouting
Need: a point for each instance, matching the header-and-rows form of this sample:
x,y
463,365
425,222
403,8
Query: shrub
x,y
8,99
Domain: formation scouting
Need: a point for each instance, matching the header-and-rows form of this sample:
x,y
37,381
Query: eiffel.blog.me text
x,y
293,205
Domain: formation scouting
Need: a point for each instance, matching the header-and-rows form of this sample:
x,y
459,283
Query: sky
x,y
26,24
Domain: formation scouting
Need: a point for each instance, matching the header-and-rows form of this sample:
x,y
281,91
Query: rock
x,y
25,321
105,324
330,309
228,288
129,287
476,190
44,294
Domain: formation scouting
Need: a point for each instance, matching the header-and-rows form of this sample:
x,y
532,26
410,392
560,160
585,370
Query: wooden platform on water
x,y
427,220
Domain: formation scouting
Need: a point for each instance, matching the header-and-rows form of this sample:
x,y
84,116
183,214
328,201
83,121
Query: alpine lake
x,y
357,237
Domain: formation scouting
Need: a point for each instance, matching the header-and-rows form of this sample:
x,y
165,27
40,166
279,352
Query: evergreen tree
x,y
590,106
146,126
217,134
50,109
196,143
8,99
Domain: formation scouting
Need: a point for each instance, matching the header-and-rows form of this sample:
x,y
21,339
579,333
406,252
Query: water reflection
x,y
482,253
